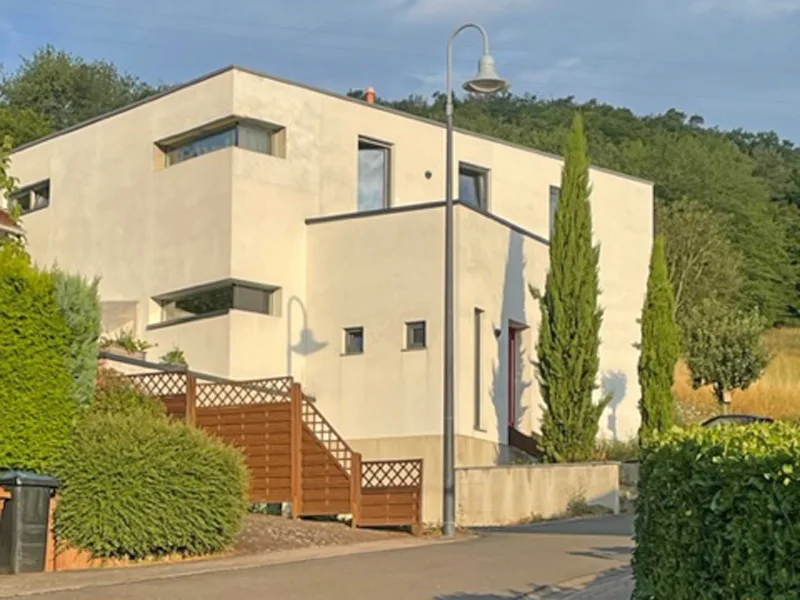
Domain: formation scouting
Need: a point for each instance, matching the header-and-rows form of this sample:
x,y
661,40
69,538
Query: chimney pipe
x,y
371,95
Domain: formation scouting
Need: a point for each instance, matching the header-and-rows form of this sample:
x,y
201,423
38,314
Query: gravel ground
x,y
263,533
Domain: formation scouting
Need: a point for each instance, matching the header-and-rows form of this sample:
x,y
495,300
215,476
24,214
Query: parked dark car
x,y
736,420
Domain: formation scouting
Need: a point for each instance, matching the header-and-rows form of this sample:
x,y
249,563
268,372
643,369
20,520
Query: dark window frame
x,y
481,174
368,143
555,194
349,349
272,301
275,133
29,191
413,327
477,381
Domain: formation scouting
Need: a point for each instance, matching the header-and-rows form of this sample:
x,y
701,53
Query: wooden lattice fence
x,y
293,453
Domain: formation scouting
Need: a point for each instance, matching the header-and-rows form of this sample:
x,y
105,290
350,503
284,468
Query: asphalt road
x,y
500,564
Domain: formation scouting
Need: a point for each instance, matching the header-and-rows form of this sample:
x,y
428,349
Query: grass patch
x,y
617,450
776,394
578,507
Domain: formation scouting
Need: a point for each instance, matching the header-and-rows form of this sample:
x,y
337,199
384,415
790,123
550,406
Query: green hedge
x,y
718,514
37,408
137,484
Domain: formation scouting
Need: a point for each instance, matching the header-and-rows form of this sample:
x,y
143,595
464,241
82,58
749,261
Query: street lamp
x,y
486,81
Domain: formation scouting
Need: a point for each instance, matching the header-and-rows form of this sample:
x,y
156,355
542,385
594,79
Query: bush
x,y
37,407
719,514
617,450
138,485
115,395
79,303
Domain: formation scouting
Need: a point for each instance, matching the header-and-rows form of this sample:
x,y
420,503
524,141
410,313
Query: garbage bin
x,y
25,521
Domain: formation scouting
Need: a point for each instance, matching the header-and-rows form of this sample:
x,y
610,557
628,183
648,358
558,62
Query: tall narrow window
x,y
473,186
477,380
374,176
555,195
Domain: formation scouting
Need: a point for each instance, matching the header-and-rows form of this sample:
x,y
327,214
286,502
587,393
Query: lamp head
x,y
486,81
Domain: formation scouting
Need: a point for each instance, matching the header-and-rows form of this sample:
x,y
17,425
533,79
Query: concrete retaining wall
x,y
505,495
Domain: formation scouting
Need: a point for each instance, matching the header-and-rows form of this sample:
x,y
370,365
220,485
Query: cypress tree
x,y
569,334
660,346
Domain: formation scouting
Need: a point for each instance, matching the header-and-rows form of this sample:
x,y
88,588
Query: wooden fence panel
x,y
391,493
255,417
263,433
325,484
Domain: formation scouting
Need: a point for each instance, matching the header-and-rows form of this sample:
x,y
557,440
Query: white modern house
x,y
268,228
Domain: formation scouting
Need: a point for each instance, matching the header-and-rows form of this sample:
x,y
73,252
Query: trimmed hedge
x,y
137,484
718,514
37,407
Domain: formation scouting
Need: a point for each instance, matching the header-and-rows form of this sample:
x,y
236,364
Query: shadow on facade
x,y
615,385
512,314
305,344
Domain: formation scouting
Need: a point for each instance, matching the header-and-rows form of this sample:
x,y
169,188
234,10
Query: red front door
x,y
513,352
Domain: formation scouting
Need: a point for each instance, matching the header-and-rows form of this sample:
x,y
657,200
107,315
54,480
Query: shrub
x,y
80,305
569,336
617,450
115,395
719,514
174,357
138,485
38,410
660,347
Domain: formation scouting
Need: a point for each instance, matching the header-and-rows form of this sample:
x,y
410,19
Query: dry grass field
x,y
776,394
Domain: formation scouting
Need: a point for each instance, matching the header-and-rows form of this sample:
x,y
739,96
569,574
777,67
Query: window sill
x,y
420,349
344,354
182,320
34,210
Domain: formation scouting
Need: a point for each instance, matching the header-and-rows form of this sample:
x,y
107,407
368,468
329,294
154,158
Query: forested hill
x,y
729,201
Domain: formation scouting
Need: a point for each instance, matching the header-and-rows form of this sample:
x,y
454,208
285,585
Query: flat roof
x,y
317,90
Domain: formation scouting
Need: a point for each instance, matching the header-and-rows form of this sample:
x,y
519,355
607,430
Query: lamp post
x,y
486,81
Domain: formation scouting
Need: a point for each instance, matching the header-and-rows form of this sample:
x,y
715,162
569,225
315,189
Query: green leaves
x,y
65,89
724,347
37,404
569,336
719,514
79,302
660,346
137,484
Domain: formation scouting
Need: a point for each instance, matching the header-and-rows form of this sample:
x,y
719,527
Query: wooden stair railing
x,y
530,444
379,492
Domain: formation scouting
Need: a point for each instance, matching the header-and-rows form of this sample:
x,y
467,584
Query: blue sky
x,y
735,62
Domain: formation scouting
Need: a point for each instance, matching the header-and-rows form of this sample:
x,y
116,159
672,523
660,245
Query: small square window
x,y
354,340
415,335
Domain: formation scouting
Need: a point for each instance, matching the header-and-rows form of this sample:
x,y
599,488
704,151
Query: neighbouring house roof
x,y
317,90
8,225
